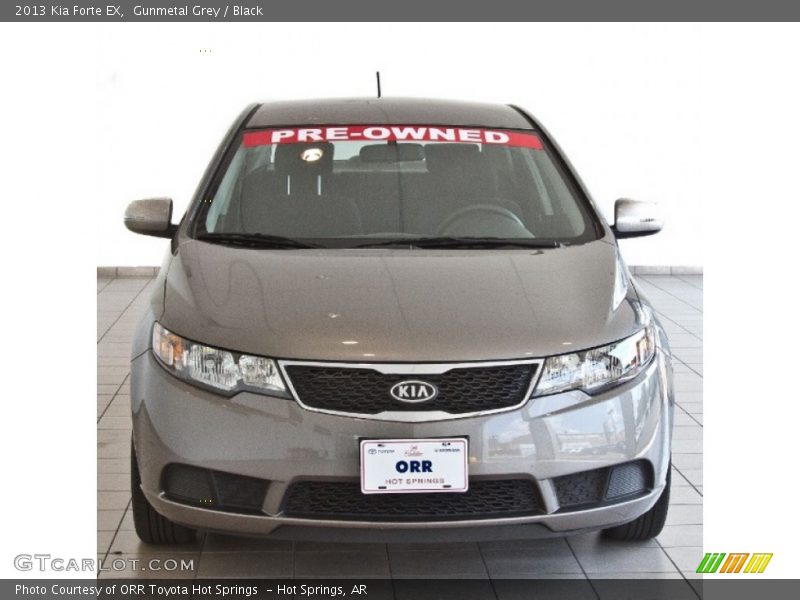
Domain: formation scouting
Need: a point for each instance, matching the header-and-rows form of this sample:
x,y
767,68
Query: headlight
x,y
599,368
217,368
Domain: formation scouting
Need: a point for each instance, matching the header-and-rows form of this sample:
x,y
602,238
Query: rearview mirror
x,y
635,219
151,217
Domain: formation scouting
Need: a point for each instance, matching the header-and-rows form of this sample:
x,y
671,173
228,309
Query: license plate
x,y
409,466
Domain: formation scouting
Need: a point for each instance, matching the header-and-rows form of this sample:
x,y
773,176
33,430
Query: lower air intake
x,y
214,489
606,485
343,500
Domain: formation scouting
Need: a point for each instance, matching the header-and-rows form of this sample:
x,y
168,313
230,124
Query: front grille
x,y
599,486
343,500
366,391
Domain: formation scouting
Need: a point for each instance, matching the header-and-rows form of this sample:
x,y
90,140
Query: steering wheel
x,y
478,208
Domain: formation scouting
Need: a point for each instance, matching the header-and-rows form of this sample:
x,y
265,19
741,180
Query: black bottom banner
x,y
401,589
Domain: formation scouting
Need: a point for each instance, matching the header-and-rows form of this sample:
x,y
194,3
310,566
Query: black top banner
x,y
405,10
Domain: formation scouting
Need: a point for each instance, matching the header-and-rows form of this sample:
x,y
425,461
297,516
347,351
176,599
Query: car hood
x,y
397,305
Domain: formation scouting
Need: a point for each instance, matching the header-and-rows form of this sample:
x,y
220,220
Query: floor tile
x,y
108,520
456,562
687,461
113,500
104,540
686,558
113,482
681,535
522,561
623,560
684,495
228,543
127,542
113,465
686,514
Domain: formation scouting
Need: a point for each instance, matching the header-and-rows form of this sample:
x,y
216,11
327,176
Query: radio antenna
x,y
378,80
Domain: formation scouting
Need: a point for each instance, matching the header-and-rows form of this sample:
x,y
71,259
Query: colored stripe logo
x,y
719,562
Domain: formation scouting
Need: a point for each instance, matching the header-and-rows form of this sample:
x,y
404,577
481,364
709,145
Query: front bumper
x,y
278,440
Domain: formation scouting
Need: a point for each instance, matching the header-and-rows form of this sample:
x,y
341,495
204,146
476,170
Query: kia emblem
x,y
414,391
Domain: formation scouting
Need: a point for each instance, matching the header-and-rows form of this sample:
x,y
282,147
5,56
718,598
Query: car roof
x,y
386,111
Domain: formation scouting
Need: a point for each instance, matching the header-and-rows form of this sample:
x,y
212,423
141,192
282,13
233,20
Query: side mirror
x,y
151,217
635,219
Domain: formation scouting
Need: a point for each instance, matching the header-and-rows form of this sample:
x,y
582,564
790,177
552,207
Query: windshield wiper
x,y
256,240
463,242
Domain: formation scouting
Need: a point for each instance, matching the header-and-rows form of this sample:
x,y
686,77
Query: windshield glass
x,y
347,186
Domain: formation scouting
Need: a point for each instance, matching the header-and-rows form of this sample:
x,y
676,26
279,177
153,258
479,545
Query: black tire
x,y
150,526
649,525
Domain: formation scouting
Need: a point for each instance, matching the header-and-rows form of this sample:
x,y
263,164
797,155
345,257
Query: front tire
x,y
649,525
151,527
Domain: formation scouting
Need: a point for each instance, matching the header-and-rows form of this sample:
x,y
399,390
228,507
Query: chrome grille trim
x,y
412,369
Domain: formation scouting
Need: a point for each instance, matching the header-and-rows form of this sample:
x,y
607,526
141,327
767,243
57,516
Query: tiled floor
x,y
675,553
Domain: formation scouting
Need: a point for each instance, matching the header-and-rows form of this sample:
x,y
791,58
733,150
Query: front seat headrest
x,y
304,168
311,158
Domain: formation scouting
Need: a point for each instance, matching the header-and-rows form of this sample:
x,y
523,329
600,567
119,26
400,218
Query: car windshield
x,y
361,185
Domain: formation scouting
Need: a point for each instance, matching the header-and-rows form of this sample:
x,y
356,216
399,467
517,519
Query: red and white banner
x,y
392,133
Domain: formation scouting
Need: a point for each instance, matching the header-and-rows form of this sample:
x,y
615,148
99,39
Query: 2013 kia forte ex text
x,y
385,319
